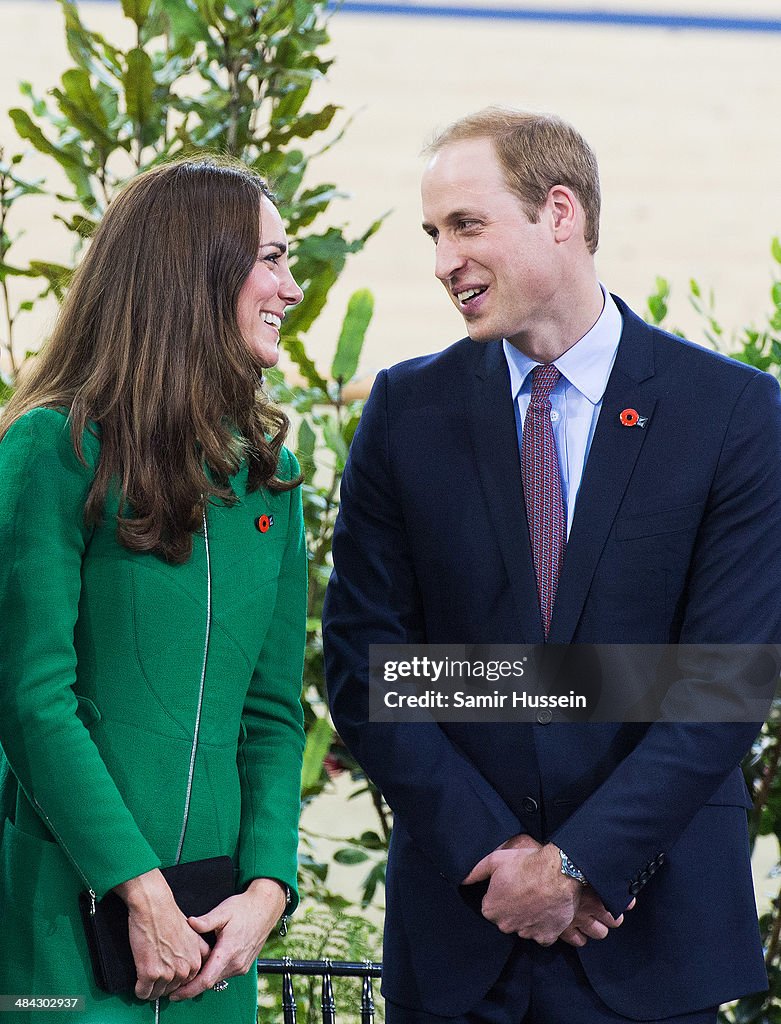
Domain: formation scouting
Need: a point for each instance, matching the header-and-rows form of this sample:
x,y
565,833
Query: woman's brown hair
x,y
147,346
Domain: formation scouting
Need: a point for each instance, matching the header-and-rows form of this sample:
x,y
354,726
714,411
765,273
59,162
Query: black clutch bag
x,y
198,887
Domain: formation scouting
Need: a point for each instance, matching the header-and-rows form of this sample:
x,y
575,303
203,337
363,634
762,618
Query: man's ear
x,y
564,210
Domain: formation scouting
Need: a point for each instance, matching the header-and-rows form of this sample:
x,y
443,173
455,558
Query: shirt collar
x,y
586,365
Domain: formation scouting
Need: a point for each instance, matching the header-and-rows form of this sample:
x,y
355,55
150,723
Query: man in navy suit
x,y
556,872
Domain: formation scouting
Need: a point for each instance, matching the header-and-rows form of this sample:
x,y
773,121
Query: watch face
x,y
569,869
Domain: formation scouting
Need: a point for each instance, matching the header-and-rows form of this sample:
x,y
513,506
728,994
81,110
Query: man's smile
x,y
468,298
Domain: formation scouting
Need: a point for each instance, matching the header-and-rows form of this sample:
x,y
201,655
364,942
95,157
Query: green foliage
x,y
348,349
202,76
319,737
13,188
314,935
757,346
657,301
327,419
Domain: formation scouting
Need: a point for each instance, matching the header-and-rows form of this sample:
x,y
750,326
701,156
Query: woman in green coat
x,y
152,607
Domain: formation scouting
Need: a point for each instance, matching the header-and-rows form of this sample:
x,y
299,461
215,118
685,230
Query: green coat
x,y
101,654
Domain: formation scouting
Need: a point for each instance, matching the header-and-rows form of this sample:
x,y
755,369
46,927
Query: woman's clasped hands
x,y
172,957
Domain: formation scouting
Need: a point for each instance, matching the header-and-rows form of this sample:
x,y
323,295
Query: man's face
x,y
500,270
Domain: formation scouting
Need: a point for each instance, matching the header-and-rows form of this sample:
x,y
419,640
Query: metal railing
x,y
326,969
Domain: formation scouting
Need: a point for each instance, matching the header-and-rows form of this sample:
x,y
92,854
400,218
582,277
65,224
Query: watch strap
x,y
571,870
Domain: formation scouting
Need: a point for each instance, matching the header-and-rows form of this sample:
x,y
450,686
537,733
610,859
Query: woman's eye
x,y
272,257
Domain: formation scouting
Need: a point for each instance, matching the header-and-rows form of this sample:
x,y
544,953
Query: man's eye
x,y
465,225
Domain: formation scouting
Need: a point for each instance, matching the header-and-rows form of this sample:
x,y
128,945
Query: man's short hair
x,y
536,152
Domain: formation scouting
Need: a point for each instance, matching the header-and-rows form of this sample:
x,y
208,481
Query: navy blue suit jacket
x,y
676,538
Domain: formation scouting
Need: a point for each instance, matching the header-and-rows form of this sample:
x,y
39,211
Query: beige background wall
x,y
682,123
685,124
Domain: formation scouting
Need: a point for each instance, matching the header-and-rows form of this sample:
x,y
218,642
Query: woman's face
x,y
268,290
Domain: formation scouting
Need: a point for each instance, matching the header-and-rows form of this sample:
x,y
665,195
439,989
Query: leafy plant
x,y
319,934
202,76
13,188
328,418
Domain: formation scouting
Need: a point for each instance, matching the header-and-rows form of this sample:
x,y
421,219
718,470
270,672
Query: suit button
x,y
653,867
634,888
644,876
660,860
529,804
544,716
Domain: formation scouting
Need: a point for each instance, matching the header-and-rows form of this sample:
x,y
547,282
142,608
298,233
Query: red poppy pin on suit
x,y
264,523
632,418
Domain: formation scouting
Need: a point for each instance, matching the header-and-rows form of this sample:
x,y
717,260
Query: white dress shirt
x,y
577,398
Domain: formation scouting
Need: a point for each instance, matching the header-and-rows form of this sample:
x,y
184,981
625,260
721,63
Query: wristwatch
x,y
569,869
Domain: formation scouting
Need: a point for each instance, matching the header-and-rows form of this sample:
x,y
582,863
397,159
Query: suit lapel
x,y
495,444
614,452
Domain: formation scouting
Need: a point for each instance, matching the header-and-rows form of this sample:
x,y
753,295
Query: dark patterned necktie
x,y
542,490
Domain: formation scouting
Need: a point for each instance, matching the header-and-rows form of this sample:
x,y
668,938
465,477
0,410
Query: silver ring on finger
x,y
220,986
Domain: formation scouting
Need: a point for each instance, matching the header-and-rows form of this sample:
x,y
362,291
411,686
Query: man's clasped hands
x,y
528,894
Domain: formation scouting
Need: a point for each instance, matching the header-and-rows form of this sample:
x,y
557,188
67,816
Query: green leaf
x,y
22,188
295,349
333,438
657,307
30,131
55,274
775,248
241,7
6,270
318,743
372,230
79,224
330,247
776,293
186,25
371,841
39,106
81,106
89,49
70,158
350,856
137,10
6,390
348,430
348,349
316,278
306,206
289,104
303,127
376,875
317,868
139,86
305,452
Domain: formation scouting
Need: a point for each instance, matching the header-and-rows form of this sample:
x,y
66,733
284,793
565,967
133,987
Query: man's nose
x,y
448,259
